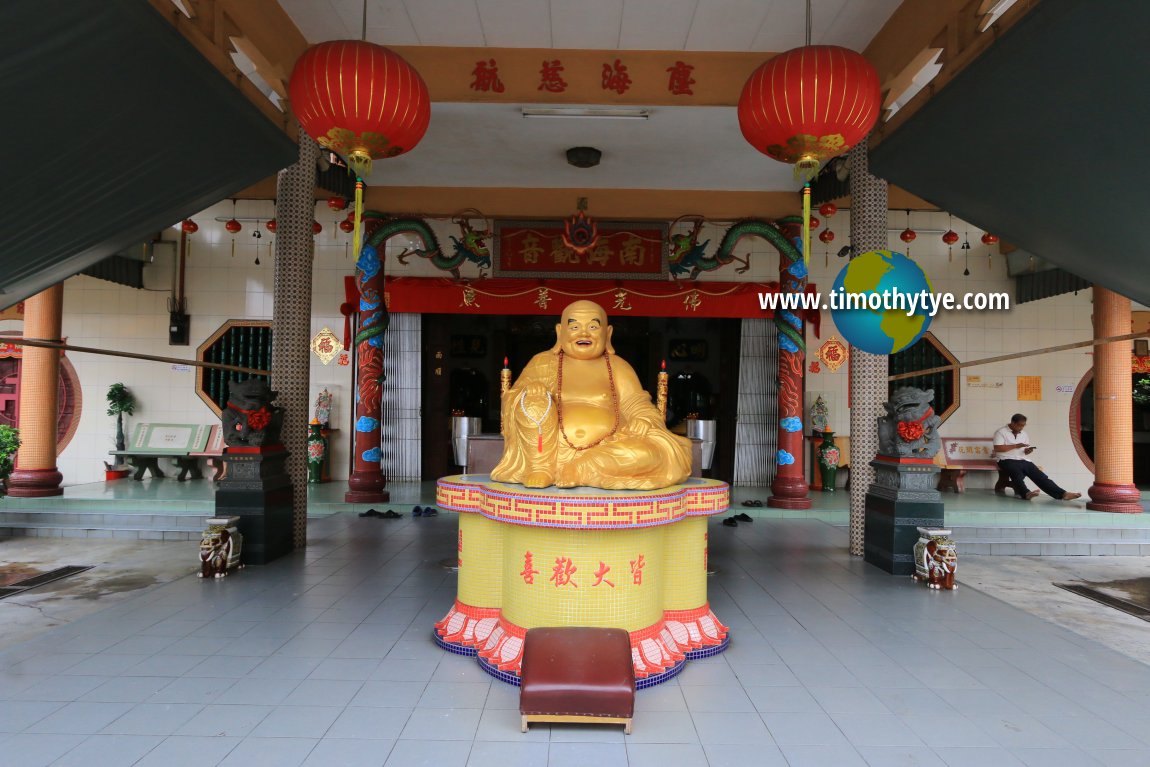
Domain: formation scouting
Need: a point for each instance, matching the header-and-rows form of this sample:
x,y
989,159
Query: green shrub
x,y
9,444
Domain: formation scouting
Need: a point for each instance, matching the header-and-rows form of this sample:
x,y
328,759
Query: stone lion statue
x,y
250,419
910,427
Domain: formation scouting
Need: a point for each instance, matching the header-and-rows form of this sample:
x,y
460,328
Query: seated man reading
x,y
1011,448
578,416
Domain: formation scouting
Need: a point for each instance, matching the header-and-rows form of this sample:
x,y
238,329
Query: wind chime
x,y
966,251
791,110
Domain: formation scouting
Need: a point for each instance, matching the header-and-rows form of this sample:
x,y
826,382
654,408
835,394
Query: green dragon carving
x,y
687,257
471,249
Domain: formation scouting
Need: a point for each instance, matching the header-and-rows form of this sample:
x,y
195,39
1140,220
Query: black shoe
x,y
417,511
730,522
744,517
429,511
372,513
389,514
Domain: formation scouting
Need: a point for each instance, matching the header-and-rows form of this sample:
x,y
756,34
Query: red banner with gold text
x,y
434,295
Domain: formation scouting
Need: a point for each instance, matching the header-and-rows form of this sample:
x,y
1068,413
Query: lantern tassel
x,y
807,224
358,230
360,162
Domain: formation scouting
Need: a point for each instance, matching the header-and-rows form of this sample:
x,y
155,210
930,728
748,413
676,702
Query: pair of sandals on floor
x,y
735,520
418,511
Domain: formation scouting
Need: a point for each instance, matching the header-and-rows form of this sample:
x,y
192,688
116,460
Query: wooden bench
x,y
577,674
184,443
960,455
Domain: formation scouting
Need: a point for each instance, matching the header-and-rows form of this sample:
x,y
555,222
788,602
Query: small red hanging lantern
x,y
346,225
828,209
950,237
233,226
337,203
827,236
189,226
316,227
989,239
815,223
908,235
271,225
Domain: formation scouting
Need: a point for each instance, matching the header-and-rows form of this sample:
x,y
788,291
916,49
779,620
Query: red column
x,y
367,482
789,488
1113,489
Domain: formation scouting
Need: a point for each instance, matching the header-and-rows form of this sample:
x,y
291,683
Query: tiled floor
x,y
325,658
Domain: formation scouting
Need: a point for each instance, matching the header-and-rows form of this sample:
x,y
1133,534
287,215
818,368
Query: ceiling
x,y
492,146
663,25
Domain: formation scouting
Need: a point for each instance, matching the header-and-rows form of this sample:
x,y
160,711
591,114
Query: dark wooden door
x,y
435,413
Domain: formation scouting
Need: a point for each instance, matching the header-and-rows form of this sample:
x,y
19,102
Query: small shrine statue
x,y
250,419
578,416
935,559
220,547
910,428
819,414
323,408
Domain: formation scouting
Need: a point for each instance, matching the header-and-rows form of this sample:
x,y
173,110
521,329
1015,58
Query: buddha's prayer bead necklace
x,y
559,404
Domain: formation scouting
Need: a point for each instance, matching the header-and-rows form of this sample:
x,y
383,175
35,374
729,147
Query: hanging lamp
x,y
808,105
361,101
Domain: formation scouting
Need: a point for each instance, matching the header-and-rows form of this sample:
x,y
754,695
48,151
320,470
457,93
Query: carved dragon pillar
x,y
367,481
789,487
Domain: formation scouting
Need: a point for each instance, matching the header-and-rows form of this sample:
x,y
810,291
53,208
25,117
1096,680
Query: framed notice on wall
x,y
1029,388
634,251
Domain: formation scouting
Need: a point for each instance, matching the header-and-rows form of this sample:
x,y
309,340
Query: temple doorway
x,y
463,356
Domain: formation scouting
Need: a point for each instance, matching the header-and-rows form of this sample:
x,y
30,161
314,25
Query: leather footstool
x,y
577,674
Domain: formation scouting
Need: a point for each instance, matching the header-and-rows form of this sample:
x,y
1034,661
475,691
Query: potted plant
x,y
120,401
9,444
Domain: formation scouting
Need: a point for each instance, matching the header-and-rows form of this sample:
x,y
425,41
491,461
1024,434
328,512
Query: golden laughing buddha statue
x,y
578,416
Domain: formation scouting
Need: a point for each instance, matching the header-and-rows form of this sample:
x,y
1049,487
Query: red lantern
x,y
316,227
989,239
271,225
908,235
828,209
810,104
359,100
336,203
950,237
189,226
815,222
827,236
233,226
346,225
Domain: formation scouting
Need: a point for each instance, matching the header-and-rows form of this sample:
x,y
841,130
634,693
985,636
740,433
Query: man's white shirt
x,y
1005,436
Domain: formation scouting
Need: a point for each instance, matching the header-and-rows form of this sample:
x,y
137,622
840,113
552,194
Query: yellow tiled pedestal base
x,y
635,560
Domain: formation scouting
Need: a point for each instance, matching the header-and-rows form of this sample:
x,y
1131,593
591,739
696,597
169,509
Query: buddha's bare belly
x,y
586,422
